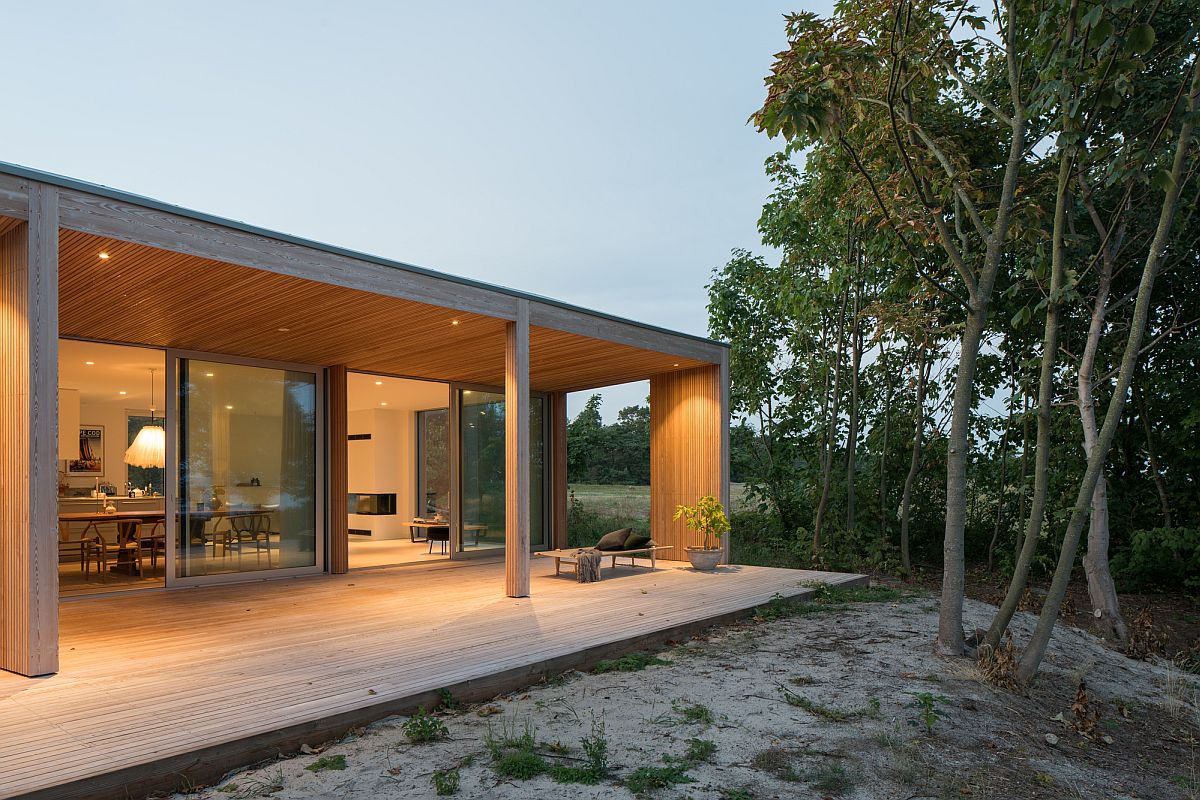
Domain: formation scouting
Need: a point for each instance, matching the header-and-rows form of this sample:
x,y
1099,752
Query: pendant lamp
x,y
149,448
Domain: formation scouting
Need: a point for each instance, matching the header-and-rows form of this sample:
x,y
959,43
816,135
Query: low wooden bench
x,y
571,555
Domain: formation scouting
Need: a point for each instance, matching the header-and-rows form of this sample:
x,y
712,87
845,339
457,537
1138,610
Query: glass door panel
x,y
247,451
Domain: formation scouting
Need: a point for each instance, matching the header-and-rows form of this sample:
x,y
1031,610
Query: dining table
x,y
124,561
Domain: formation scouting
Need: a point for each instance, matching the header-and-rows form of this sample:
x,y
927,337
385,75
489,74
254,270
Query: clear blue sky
x,y
597,154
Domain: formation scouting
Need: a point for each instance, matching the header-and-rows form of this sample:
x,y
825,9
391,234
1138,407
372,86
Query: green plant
x,y
830,779
645,780
693,713
595,751
736,794
707,517
927,711
424,727
631,662
445,781
520,764
699,750
327,762
777,762
1159,558
825,712
446,700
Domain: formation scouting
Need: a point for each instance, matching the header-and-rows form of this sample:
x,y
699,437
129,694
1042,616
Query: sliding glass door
x,y
248,449
481,473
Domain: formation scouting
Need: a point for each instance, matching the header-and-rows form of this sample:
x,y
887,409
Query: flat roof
x,y
28,173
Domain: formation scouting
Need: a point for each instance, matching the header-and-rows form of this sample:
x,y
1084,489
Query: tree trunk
x,y
883,449
914,465
827,466
1041,467
1031,659
1106,609
1019,539
852,433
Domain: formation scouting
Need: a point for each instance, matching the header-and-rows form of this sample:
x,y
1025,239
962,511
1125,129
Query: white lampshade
x,y
149,448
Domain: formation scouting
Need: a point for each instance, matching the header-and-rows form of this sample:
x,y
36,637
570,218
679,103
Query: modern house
x,y
246,399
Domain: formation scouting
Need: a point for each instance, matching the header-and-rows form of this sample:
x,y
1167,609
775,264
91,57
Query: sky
x,y
597,154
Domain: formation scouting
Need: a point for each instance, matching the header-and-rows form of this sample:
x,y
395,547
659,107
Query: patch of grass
x,y
327,762
595,751
736,794
699,750
776,762
823,711
646,780
269,784
424,727
839,596
693,713
515,755
632,662
445,781
830,779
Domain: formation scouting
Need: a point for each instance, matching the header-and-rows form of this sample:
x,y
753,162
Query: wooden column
x,y
339,528
29,439
558,469
516,452
723,376
689,450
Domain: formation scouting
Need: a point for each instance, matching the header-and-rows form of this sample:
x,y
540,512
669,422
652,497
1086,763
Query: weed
x,y
327,762
826,595
508,738
999,665
927,711
644,780
777,762
815,708
1044,778
830,779
631,662
260,787
446,700
802,680
736,794
445,781
699,750
693,713
424,727
595,750
520,764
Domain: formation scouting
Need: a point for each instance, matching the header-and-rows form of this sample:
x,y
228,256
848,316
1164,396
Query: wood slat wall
x,y
558,468
516,455
688,450
339,526
29,440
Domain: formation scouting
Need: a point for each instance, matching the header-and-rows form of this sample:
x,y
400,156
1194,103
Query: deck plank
x,y
151,676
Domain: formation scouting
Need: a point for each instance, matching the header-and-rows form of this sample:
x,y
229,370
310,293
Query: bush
x,y
1159,558
585,527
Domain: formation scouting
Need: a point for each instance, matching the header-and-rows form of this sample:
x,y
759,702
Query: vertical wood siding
x,y
558,468
516,454
688,450
29,439
339,526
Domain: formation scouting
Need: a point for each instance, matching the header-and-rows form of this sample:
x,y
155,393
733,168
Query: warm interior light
x,y
674,365
122,392
104,256
229,408
379,383
208,374
283,330
149,448
453,322
384,403
90,363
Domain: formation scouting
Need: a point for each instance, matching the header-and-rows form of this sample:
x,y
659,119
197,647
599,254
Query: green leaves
x,y
1140,39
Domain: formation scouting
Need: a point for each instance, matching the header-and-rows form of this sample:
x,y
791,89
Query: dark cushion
x,y
637,541
614,540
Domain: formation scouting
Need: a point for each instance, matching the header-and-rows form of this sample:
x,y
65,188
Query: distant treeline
x,y
620,453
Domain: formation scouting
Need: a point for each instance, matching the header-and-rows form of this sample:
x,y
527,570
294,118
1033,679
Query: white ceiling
x,y
115,369
367,392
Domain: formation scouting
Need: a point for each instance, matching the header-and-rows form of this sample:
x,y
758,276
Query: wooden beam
x,y
29,439
688,449
516,452
558,469
339,525
599,326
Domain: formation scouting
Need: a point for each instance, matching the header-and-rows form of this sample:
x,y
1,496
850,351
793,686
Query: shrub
x,y
424,727
445,782
1159,558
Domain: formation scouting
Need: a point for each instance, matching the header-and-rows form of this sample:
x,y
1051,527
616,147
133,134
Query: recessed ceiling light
x,y
675,365
208,374
283,330
453,322
379,383
229,408
90,363
122,393
384,403
468,391
104,256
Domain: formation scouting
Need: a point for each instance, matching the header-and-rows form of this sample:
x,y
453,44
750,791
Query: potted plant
x,y
708,518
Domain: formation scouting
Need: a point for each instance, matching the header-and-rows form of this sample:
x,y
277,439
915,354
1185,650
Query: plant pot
x,y
704,559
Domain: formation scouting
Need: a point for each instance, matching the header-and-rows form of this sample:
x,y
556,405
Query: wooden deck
x,y
164,688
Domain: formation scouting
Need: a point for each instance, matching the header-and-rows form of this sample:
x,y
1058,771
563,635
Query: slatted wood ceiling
x,y
144,295
685,450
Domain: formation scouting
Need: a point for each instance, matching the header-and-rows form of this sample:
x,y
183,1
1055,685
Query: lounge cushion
x,y
637,541
614,540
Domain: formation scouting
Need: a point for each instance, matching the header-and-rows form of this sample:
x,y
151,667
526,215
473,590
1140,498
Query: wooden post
x,y
689,450
339,525
516,452
29,439
723,377
558,469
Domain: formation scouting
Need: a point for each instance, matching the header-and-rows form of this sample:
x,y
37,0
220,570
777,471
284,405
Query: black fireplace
x,y
372,504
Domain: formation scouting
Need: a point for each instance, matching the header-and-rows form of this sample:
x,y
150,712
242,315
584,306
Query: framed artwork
x,y
91,452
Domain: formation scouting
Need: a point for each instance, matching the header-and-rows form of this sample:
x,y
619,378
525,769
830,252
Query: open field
x,y
835,699
633,502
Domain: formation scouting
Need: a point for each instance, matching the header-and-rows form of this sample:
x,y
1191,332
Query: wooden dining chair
x,y
154,541
116,539
252,529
